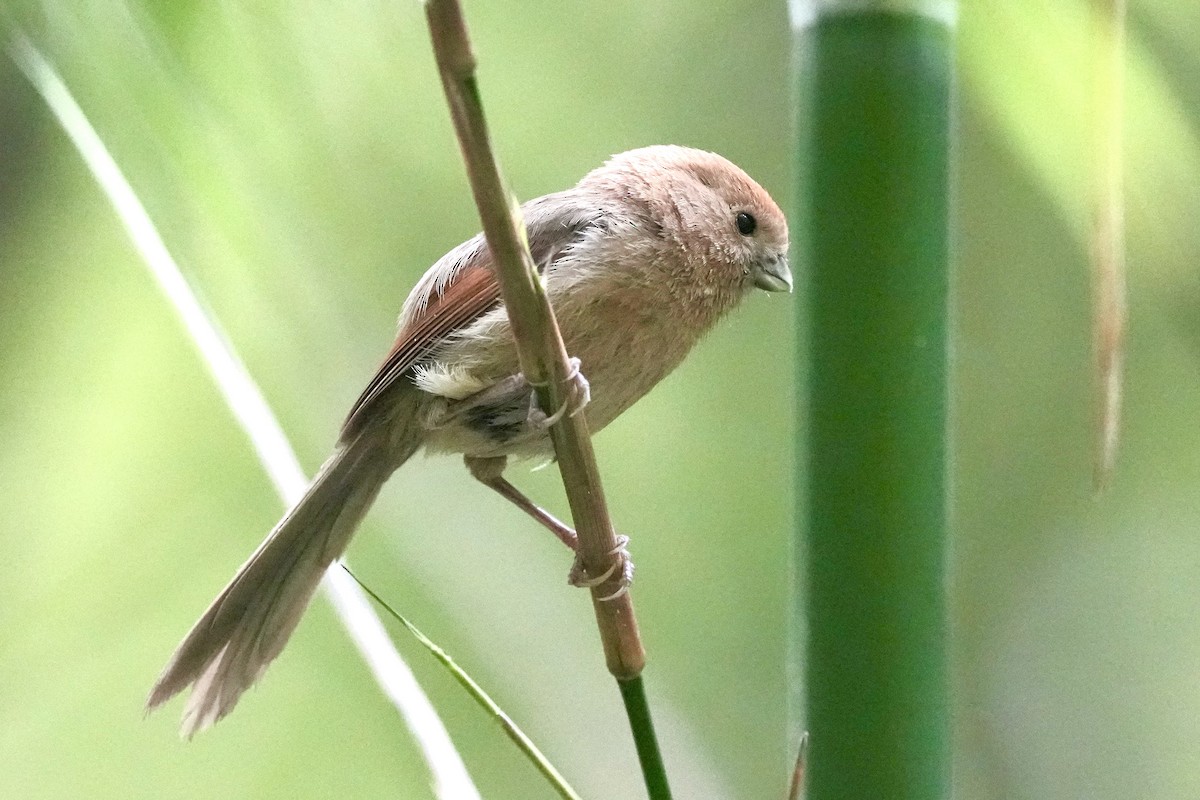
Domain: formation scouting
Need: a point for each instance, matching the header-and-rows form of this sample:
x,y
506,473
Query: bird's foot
x,y
621,561
579,394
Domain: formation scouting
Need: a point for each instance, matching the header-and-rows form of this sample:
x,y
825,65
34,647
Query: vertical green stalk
x,y
874,119
637,708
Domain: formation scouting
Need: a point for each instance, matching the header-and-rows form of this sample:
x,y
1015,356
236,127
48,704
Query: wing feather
x,y
462,286
472,292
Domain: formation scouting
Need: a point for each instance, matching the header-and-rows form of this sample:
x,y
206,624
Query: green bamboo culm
x,y
874,117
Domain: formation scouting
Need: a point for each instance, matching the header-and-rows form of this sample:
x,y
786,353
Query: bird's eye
x,y
746,224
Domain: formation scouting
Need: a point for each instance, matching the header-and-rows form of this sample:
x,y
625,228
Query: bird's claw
x,y
579,394
579,576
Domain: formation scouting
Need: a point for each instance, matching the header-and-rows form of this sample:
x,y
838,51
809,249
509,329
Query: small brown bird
x,y
639,259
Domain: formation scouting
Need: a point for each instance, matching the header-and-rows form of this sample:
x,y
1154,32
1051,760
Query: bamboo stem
x,y
875,86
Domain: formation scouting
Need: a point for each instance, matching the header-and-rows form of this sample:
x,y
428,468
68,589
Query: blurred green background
x,y
298,160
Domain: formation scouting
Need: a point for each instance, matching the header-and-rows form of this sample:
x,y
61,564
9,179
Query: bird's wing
x,y
462,286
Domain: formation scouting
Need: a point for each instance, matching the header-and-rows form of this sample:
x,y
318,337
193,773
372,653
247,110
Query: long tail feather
x,y
248,624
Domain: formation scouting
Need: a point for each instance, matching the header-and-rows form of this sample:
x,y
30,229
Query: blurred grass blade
x,y
523,742
254,416
1109,310
873,158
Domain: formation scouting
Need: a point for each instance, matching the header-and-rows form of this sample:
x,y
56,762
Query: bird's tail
x,y
248,624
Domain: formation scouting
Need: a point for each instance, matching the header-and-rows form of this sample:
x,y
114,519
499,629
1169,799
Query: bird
x,y
639,260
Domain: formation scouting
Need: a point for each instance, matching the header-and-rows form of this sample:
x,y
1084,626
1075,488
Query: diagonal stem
x,y
544,363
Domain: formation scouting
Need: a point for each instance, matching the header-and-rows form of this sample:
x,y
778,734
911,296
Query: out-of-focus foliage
x,y
1076,628
298,160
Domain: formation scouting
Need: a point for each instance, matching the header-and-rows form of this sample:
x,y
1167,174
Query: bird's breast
x,y
628,330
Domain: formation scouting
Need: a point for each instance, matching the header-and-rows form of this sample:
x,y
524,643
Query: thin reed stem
x,y
544,362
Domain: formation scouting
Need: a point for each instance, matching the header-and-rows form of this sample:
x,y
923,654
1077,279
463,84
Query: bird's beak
x,y
773,275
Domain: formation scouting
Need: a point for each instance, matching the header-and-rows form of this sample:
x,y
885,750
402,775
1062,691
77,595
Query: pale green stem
x,y
254,416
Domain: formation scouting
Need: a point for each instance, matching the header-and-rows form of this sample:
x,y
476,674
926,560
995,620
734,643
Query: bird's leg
x,y
489,472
